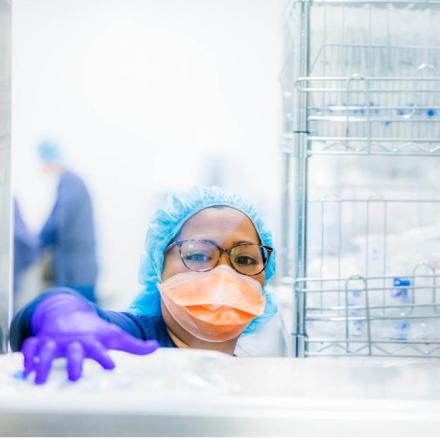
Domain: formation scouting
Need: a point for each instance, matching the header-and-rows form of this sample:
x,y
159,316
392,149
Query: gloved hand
x,y
67,326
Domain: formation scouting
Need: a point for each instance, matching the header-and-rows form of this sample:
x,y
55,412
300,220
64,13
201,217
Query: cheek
x,y
172,265
260,278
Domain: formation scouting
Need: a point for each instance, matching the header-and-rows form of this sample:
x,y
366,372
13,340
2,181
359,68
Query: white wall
x,y
143,94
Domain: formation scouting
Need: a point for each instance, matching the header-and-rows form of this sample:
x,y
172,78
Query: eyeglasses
x,y
204,255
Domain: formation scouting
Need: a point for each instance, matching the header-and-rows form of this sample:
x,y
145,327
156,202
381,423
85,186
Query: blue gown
x,y
70,233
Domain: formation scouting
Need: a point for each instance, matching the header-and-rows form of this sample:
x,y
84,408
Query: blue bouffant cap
x,y
50,152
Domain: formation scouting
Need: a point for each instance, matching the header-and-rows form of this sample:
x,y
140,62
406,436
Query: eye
x,y
197,257
245,260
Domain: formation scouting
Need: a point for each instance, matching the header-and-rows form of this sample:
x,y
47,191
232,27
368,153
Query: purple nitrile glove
x,y
67,326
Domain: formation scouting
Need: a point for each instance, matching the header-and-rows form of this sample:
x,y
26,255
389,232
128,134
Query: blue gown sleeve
x,y
49,231
139,327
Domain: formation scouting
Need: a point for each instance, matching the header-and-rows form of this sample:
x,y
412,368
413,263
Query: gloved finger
x,y
75,359
97,352
46,354
125,342
29,349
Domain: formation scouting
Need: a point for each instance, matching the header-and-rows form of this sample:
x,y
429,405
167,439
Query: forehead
x,y
223,224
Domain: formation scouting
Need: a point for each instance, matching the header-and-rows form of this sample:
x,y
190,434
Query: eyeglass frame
x,y
222,250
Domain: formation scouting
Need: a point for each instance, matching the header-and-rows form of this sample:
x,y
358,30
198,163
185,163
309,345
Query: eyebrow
x,y
236,243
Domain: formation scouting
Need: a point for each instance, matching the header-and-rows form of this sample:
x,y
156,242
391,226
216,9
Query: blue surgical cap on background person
x,y
50,152
166,224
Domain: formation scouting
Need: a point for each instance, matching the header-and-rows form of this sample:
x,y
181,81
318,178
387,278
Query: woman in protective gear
x,y
207,261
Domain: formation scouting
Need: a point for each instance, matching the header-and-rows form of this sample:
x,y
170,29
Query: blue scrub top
x,y
70,232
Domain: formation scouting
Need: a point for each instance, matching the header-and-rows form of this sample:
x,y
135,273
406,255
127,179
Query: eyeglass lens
x,y
248,259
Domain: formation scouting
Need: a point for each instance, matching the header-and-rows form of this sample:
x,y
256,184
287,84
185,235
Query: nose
x,y
224,259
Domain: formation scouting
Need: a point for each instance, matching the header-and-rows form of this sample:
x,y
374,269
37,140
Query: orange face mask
x,y
213,306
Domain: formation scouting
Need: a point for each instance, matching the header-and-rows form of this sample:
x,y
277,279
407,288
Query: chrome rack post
x,y
300,144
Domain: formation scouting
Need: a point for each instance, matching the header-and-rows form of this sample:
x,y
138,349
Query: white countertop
x,y
191,392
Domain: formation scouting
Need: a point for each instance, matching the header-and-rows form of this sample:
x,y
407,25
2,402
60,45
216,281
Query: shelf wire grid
x,y
366,316
372,88
372,314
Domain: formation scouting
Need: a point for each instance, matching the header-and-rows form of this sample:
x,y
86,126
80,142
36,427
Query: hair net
x,y
50,152
166,224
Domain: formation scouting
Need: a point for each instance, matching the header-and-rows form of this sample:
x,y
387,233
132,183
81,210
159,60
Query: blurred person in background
x,y
69,232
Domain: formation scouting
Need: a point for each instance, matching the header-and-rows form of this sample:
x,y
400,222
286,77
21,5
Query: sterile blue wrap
x,y
166,224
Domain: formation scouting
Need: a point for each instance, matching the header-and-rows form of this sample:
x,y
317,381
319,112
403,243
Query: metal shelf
x,y
376,316
361,97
